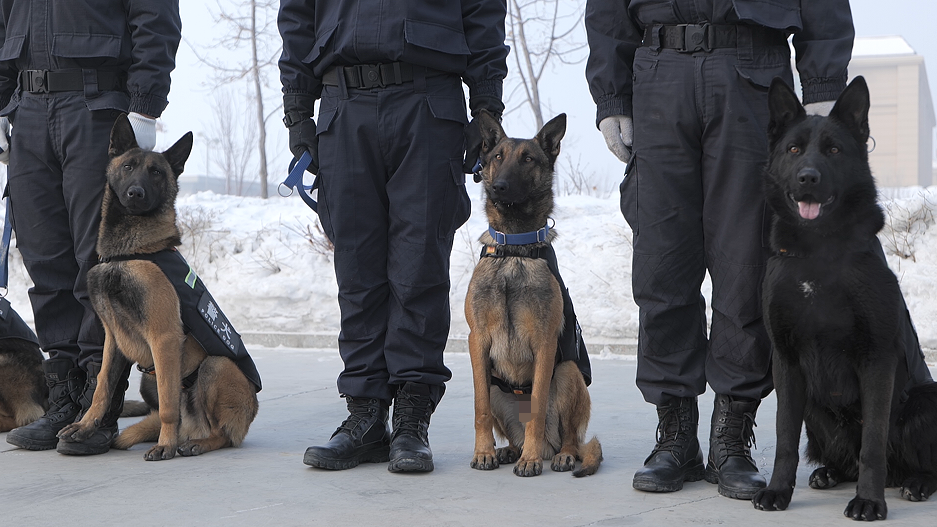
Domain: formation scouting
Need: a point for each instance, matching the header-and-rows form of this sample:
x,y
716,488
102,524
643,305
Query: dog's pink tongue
x,y
808,210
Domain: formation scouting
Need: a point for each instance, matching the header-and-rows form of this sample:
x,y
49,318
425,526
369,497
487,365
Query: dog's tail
x,y
135,409
591,454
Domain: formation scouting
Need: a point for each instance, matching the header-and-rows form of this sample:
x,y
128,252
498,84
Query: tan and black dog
x,y
205,402
23,391
514,309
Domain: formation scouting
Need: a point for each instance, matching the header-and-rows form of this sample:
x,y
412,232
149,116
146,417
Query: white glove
x,y
4,140
144,128
821,108
618,131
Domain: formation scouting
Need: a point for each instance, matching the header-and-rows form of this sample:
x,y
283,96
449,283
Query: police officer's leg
x,y
735,223
83,137
661,201
44,239
428,202
353,210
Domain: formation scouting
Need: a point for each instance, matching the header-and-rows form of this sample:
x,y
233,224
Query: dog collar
x,y
524,238
523,251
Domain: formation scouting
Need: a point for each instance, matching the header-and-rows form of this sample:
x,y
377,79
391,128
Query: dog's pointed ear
x,y
852,108
551,134
490,130
178,153
122,137
784,108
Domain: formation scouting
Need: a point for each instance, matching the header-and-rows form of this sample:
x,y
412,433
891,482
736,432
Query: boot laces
x,y
358,412
412,414
736,434
673,430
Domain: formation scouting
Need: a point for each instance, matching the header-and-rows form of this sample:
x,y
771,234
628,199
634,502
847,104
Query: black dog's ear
x,y
852,108
490,130
551,134
177,154
784,108
122,137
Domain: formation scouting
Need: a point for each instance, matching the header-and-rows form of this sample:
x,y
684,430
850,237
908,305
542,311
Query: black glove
x,y
303,139
473,146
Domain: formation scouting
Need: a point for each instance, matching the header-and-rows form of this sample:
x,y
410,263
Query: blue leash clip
x,y
295,181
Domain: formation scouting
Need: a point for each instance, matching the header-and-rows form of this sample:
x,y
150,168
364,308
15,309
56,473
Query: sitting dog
x,y
514,309
834,311
206,383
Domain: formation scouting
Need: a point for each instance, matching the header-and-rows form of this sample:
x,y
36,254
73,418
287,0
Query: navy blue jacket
x,y
464,37
139,38
823,36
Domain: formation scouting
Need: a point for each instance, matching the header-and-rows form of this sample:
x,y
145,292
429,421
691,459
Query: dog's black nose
x,y
136,193
808,176
500,186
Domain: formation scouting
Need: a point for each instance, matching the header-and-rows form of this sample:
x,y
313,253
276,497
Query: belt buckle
x,y
370,76
696,37
37,81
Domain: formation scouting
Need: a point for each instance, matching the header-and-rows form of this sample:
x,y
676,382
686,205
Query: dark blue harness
x,y
201,316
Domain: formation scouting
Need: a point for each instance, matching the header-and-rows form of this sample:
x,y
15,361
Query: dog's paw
x,y
824,478
527,468
772,500
508,455
916,488
76,432
866,510
190,448
485,461
563,462
160,452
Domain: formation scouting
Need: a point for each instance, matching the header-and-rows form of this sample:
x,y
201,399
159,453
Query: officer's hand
x,y
144,129
303,139
821,108
618,131
4,140
473,146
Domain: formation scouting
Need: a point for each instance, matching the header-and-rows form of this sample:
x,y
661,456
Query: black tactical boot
x,y
65,382
730,457
677,456
362,438
409,449
102,438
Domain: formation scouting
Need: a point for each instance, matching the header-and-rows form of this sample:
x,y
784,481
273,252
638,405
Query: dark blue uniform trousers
x,y
391,195
693,197
57,168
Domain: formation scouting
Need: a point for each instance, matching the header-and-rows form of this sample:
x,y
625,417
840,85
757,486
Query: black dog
x,y
834,313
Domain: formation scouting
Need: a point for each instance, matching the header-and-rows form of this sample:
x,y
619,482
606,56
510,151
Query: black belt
x,y
690,38
374,75
45,81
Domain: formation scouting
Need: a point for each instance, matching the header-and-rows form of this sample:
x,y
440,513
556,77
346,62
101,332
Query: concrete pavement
x,y
265,482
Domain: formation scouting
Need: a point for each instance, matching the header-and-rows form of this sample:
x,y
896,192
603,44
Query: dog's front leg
x,y
791,389
485,457
167,359
113,364
531,460
876,382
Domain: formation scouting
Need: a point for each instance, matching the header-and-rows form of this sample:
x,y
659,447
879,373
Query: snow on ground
x,y
266,263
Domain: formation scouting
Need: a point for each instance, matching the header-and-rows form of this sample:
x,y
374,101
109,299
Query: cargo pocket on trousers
x,y
458,206
629,195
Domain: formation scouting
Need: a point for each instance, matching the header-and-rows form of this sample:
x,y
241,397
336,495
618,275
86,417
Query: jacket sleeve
x,y
613,38
155,32
823,48
483,25
296,22
7,72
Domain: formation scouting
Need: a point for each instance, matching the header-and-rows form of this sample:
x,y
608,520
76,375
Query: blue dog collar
x,y
524,238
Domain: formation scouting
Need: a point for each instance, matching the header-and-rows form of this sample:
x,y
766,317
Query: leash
x,y
5,248
295,181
